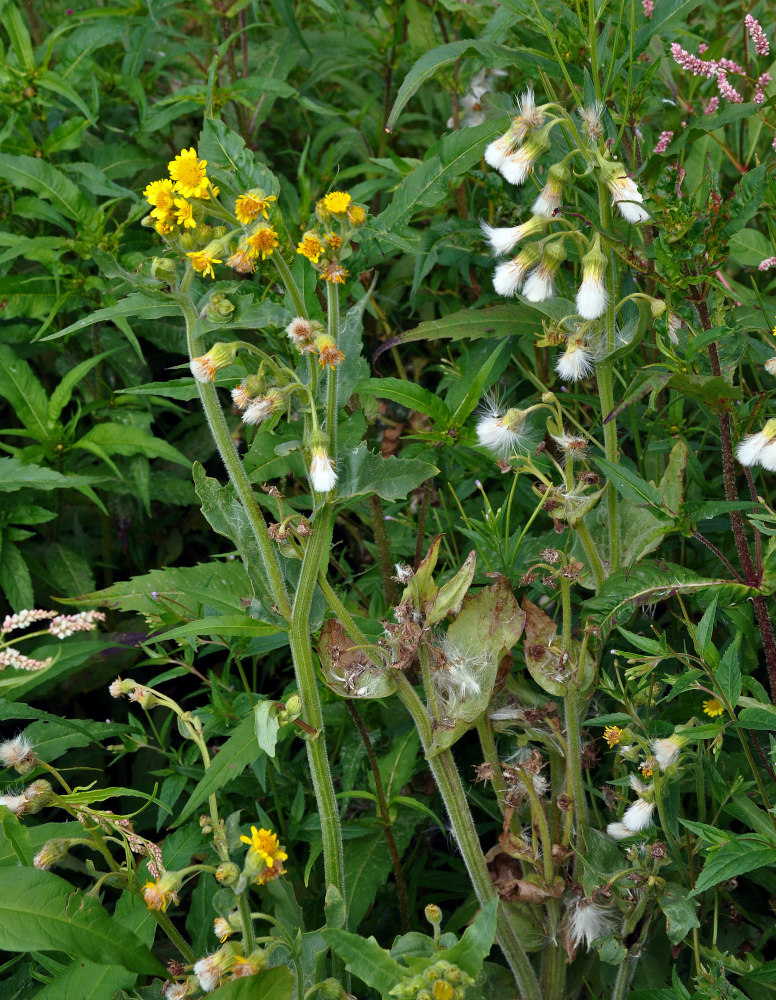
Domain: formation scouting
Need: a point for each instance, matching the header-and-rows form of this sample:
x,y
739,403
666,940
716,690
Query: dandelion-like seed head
x,y
591,121
587,921
760,448
575,363
501,433
18,754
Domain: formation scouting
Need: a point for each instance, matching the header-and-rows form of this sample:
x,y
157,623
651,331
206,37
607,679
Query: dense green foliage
x,y
538,596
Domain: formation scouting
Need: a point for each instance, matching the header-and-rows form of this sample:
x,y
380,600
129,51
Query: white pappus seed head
x,y
539,285
770,365
508,278
575,363
638,816
760,448
322,475
666,751
502,240
592,296
587,921
17,753
618,831
455,676
208,972
550,197
625,195
518,165
501,434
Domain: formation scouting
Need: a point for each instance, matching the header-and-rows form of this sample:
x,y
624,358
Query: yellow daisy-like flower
x,y
328,352
184,214
265,845
188,172
442,990
160,195
249,207
333,241
155,897
613,735
713,707
334,273
310,247
356,215
336,202
202,261
163,228
263,242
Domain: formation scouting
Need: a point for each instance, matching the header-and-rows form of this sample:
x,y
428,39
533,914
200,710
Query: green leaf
x,y
48,183
747,198
137,306
225,626
366,959
225,150
70,571
83,980
679,910
14,24
450,595
630,485
267,726
17,475
728,673
408,394
362,472
240,750
18,836
26,395
15,578
58,85
122,439
41,912
744,854
60,397
760,717
477,941
272,984
749,247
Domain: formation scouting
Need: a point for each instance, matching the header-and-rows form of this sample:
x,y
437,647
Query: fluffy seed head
x,y
322,475
760,448
17,753
625,194
638,816
508,278
575,363
551,194
588,921
504,239
666,751
500,433
592,296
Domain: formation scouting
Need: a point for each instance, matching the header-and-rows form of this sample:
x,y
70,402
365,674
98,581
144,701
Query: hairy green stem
x,y
490,754
453,795
317,550
591,552
249,938
574,758
332,305
175,937
234,467
383,549
627,969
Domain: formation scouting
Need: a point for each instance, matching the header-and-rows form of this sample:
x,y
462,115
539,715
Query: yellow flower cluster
x,y
170,196
264,846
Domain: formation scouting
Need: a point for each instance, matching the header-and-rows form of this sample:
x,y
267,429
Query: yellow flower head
x,y
223,928
250,206
155,897
163,228
202,261
188,172
310,247
336,202
442,990
647,767
160,195
333,242
328,353
184,214
613,735
263,242
713,707
265,845
334,273
242,262
356,215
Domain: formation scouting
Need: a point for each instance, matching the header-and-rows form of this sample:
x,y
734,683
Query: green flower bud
x,y
52,852
163,269
38,795
227,873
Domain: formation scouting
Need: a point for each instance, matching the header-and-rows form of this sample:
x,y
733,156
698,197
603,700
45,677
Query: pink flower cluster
x,y
693,64
767,264
727,89
648,7
13,658
64,625
756,33
23,619
712,106
759,91
663,142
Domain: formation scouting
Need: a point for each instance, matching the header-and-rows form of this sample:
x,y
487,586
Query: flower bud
x,y
330,989
219,356
52,852
227,873
163,269
433,915
38,795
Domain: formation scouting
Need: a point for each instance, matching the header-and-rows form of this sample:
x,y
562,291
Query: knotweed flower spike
x,y
508,278
760,448
756,33
575,363
502,240
592,296
501,434
539,285
551,194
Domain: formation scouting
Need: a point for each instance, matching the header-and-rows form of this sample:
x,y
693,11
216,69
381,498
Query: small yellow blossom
x,y
713,707
310,247
263,242
188,172
333,241
155,897
184,214
249,207
336,202
356,215
265,845
202,261
442,990
334,273
613,735
160,195
328,352
163,228
647,767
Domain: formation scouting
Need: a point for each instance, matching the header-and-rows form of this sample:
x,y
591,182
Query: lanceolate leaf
x,y
743,854
477,941
366,959
362,472
41,912
46,181
272,984
408,394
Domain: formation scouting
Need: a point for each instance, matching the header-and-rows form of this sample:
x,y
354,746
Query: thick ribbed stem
x,y
332,305
574,758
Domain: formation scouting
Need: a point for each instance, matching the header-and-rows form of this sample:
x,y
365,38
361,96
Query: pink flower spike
x,y
663,142
727,89
768,263
712,106
696,66
756,33
648,7
702,47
